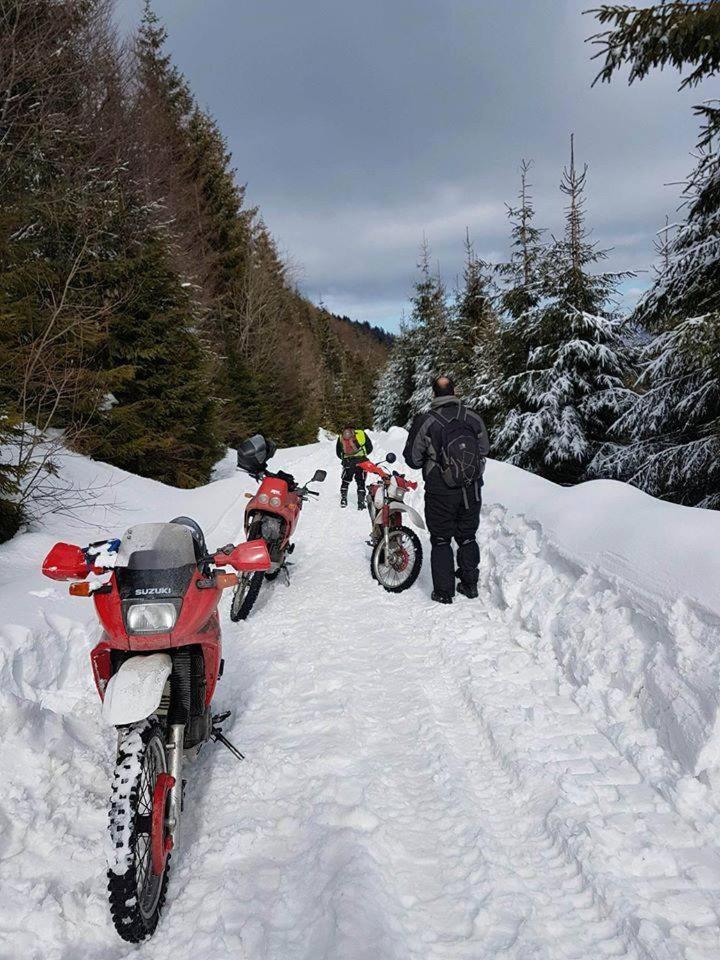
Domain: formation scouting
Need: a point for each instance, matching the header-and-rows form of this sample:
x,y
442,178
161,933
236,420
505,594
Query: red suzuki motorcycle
x,y
397,551
156,592
271,516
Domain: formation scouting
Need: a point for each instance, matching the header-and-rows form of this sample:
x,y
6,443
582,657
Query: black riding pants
x,y
352,471
449,518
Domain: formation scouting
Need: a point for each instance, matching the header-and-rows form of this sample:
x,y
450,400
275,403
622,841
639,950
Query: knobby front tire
x,y
136,894
245,594
400,570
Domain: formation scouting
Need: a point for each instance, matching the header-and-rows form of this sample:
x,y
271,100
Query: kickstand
x,y
217,736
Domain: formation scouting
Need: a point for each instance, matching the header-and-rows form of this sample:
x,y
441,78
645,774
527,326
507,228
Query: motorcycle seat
x,y
287,477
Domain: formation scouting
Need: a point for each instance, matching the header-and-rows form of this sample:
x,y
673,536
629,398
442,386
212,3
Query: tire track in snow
x,y
397,816
643,863
439,851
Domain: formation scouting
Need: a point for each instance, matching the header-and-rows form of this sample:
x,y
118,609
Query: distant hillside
x,y
377,333
147,313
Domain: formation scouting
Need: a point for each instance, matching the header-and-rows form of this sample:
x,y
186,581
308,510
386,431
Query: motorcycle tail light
x,y
275,501
263,497
151,617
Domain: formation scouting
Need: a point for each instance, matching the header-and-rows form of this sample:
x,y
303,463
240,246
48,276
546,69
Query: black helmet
x,y
253,454
197,534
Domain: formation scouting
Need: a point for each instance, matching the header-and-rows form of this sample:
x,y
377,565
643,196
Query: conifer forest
x,y
571,387
148,319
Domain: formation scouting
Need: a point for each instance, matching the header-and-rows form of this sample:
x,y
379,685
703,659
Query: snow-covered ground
x,y
533,775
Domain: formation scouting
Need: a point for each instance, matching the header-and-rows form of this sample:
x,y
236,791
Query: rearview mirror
x,y
391,458
65,562
319,476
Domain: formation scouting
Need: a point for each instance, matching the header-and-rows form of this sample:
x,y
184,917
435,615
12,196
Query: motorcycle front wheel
x,y
245,594
136,892
400,568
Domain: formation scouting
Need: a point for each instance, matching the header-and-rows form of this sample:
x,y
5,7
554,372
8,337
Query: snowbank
x,y
625,589
663,549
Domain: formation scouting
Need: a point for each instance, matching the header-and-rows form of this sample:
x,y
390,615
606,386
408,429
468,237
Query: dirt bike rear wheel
x,y
245,594
136,894
401,569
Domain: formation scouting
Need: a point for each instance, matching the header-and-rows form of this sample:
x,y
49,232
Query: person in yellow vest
x,y
353,446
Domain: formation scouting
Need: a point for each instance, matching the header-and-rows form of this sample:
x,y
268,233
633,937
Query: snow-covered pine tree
x,y
674,425
391,404
573,387
430,323
522,278
474,337
523,273
673,428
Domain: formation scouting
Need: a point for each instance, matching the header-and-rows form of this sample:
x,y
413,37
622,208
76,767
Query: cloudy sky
x,y
360,126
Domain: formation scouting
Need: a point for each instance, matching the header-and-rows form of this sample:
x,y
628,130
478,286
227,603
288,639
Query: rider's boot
x,y
439,596
468,590
361,500
343,498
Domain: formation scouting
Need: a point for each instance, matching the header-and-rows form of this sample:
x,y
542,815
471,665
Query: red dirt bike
x,y
271,516
397,552
156,592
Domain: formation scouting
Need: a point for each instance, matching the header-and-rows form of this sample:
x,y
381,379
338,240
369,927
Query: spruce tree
x,y
674,426
522,278
396,384
523,274
475,337
573,387
430,322
58,192
159,420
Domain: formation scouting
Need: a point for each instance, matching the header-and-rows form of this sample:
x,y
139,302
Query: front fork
x,y
174,750
386,527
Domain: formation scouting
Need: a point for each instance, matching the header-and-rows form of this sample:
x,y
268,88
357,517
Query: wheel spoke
x,y
397,564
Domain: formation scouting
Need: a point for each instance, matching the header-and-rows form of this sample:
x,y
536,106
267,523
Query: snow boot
x,y
361,501
343,499
439,596
468,590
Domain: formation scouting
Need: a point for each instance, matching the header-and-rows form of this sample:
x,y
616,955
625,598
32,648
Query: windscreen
x,y
155,560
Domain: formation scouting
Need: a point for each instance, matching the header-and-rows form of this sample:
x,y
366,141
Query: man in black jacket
x,y
452,507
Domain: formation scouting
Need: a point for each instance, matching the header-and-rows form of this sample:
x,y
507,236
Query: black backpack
x,y
459,459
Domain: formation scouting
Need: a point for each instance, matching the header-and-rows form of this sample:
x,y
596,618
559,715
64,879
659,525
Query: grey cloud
x,y
360,126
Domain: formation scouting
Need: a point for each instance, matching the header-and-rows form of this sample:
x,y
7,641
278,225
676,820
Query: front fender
x,y
135,691
403,508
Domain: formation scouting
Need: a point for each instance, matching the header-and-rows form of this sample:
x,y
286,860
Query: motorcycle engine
x,y
271,528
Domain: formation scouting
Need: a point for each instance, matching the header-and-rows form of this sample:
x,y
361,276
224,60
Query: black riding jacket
x,y
423,443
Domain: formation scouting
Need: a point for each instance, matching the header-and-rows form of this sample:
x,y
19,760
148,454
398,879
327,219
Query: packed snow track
x,y
532,775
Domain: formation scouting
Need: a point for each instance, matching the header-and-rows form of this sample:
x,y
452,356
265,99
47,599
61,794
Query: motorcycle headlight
x,y
263,497
151,617
275,501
